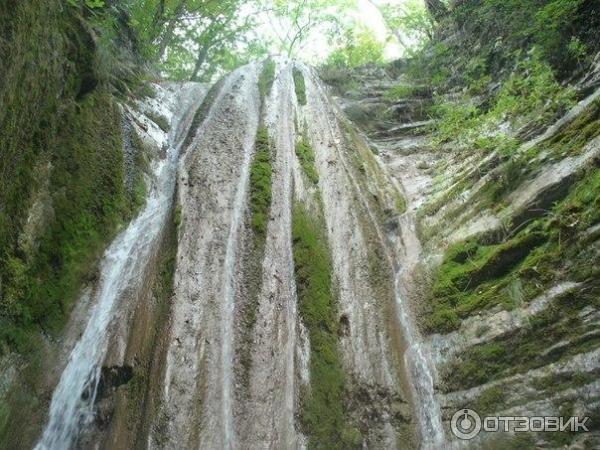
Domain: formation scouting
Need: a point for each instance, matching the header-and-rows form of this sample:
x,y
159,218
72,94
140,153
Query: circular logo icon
x,y
465,424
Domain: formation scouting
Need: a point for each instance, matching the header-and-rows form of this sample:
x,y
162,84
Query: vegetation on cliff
x,y
323,415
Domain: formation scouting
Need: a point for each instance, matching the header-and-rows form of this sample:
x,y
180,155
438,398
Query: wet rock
x,y
111,378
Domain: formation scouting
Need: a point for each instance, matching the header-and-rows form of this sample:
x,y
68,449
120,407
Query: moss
x,y
553,384
474,276
574,136
136,184
260,206
178,216
505,441
489,401
260,183
266,78
300,86
58,112
145,90
160,120
530,347
306,156
322,416
89,200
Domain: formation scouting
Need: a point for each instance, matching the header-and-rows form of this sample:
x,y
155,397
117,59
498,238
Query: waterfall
x,y
202,404
72,405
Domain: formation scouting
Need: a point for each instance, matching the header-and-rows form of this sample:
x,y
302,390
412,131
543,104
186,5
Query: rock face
x,y
322,284
215,397
127,261
282,326
509,315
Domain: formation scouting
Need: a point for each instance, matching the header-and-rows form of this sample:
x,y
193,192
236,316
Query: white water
x,y
418,364
72,405
417,359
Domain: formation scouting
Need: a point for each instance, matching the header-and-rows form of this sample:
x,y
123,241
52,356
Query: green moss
x,y
504,441
573,137
138,190
474,276
323,416
300,86
145,90
36,78
178,216
58,113
306,156
260,183
530,347
160,120
553,384
489,401
266,78
89,201
261,172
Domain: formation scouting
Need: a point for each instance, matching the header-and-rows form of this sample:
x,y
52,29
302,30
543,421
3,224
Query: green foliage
x,y
306,156
532,90
322,416
400,91
300,86
358,47
92,4
475,46
293,21
529,96
507,25
261,173
411,23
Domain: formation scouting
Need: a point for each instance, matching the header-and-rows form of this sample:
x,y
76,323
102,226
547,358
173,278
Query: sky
x,y
371,18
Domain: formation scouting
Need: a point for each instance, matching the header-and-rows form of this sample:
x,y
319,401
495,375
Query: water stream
x,y
72,405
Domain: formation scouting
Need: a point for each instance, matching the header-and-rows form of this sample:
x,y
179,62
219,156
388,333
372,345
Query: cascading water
x,y
72,405
416,358
201,396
